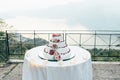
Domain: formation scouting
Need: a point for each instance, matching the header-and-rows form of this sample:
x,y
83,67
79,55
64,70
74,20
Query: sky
x,y
61,14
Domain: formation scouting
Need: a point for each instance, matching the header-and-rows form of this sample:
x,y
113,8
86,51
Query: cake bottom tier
x,y
47,56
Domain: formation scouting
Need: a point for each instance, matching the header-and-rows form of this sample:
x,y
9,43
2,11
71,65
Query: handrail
x,y
101,43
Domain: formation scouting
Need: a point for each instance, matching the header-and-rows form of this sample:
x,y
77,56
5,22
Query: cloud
x,y
31,23
97,15
16,5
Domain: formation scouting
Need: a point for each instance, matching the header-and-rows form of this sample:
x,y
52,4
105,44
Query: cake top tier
x,y
56,38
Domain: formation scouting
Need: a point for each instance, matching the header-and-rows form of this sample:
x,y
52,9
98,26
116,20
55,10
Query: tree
x,y
4,26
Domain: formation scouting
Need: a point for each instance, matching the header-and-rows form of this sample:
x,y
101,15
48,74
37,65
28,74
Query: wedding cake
x,y
57,49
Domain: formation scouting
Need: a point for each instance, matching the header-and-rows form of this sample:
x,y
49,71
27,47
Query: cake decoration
x,y
55,35
57,56
56,40
55,46
51,52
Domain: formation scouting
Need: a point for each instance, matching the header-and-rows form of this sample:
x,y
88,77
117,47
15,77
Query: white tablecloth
x,y
77,68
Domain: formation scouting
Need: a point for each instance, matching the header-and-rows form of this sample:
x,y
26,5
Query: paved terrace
x,y
101,71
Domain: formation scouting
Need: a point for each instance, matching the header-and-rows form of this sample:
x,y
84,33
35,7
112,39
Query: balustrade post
x,y
7,47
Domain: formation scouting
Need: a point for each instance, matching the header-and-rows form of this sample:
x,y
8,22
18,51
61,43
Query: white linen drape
x,y
78,68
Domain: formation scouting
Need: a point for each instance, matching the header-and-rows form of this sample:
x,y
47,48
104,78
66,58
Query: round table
x,y
77,68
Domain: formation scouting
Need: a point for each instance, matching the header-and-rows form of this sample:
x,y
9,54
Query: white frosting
x,y
66,56
60,44
61,51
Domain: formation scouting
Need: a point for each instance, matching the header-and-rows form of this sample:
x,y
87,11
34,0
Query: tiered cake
x,y
57,48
